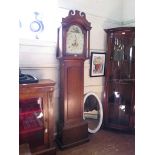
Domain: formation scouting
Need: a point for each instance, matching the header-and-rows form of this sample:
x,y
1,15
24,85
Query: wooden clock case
x,y
72,129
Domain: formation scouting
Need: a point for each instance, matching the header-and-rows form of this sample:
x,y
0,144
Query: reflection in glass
x,y
31,124
119,104
93,112
118,50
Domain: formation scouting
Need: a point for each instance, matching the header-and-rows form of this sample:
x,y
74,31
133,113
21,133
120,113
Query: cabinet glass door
x,y
31,124
122,56
119,103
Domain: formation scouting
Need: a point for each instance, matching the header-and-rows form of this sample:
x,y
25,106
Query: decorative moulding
x,y
129,22
36,42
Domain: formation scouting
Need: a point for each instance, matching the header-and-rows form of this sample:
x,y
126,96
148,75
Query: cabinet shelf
x,y
121,80
29,124
29,106
30,112
26,131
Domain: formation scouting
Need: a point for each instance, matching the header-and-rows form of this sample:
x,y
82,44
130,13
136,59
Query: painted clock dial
x,y
75,40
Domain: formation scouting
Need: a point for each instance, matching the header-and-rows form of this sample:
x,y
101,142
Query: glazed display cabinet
x,y
36,123
119,87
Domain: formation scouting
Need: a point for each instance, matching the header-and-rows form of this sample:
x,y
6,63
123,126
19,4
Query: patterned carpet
x,y
104,143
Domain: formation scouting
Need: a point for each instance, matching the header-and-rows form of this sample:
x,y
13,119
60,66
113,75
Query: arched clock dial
x,y
74,40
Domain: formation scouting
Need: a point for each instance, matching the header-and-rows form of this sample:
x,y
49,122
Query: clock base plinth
x,y
72,135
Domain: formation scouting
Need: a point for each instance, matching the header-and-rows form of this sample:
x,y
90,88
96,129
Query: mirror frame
x,y
101,111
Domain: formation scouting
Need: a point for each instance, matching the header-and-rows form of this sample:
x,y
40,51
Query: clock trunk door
x,y
74,90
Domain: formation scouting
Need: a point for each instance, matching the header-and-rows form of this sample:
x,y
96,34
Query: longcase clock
x,y
73,50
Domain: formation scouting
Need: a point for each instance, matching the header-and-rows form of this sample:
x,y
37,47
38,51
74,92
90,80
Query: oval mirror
x,y
93,112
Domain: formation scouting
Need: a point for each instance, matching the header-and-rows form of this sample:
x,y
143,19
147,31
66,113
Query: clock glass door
x,y
75,40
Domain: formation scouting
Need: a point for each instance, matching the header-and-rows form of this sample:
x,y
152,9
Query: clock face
x,y
75,40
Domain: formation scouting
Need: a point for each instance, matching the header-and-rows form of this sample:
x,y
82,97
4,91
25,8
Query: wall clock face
x,y
74,40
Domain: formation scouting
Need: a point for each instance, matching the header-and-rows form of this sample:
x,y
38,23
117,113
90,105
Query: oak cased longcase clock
x,y
72,51
119,87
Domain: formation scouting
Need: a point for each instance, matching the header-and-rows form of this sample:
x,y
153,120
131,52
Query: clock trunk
x,y
72,129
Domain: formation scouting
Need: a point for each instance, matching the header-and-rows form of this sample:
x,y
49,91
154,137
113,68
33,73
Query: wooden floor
x,y
104,143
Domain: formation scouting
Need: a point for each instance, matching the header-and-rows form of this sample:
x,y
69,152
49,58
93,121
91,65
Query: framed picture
x,y
97,64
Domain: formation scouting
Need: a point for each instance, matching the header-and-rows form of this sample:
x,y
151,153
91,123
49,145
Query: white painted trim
x,y
39,67
35,42
126,22
101,111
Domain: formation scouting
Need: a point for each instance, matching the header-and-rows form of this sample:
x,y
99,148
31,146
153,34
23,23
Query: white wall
x,y
128,13
38,56
109,9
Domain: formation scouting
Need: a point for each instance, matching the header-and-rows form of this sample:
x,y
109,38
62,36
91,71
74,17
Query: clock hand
x,y
75,42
